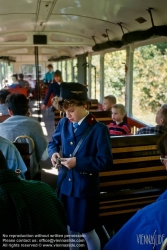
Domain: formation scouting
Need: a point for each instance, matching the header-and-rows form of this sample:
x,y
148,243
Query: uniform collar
x,y
7,176
85,123
79,123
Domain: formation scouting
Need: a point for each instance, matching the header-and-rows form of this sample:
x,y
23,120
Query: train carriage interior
x,y
112,47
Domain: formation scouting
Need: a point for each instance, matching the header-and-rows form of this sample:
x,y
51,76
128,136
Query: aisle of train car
x,y
48,174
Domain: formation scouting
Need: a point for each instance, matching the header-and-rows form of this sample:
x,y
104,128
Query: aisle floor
x,y
46,119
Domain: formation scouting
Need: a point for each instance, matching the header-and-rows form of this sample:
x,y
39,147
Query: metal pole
x,y
95,80
37,83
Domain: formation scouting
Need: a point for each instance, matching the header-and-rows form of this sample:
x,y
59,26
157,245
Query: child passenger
x,y
78,175
118,126
108,102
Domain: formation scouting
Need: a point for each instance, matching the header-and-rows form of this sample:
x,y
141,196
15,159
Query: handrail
x,y
26,137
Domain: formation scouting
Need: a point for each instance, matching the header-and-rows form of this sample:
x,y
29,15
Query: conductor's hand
x,y
43,107
54,157
69,162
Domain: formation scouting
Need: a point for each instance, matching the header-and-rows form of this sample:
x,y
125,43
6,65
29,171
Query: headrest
x,y
74,91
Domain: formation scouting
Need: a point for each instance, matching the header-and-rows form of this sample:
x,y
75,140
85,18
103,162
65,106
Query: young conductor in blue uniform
x,y
79,189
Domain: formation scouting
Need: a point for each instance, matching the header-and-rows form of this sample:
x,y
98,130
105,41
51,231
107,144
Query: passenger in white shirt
x,y
32,84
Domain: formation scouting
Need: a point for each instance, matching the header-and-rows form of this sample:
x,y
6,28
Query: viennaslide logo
x,y
150,239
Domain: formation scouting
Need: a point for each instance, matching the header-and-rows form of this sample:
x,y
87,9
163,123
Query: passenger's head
x,y
108,102
14,78
3,94
75,110
161,116
58,76
17,104
118,113
20,76
29,77
162,147
50,67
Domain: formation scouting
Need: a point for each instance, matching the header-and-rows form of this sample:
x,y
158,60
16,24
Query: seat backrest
x,y
24,149
102,116
23,91
136,164
3,117
94,104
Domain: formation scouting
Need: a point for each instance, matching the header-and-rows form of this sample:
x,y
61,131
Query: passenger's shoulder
x,y
4,141
37,185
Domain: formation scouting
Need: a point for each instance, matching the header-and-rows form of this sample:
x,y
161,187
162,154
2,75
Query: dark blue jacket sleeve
x,y
50,91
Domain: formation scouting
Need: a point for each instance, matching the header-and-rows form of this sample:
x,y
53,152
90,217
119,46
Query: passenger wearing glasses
x,y
147,229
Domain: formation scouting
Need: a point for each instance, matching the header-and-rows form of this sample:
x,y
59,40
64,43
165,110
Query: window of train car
x,y
59,66
6,70
114,75
69,70
30,69
55,65
149,81
75,69
64,71
95,77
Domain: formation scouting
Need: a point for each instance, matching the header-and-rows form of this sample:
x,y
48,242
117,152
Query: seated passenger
x,y
49,75
22,82
53,88
3,107
14,83
149,221
32,84
13,158
161,121
20,124
108,102
29,207
118,126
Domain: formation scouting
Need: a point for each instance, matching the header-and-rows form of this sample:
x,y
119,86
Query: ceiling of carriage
x,y
71,24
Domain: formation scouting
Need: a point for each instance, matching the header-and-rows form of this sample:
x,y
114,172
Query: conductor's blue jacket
x,y
93,156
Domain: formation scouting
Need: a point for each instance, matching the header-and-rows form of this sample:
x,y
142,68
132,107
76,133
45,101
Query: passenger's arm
x,y
50,90
15,161
45,78
45,155
162,196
